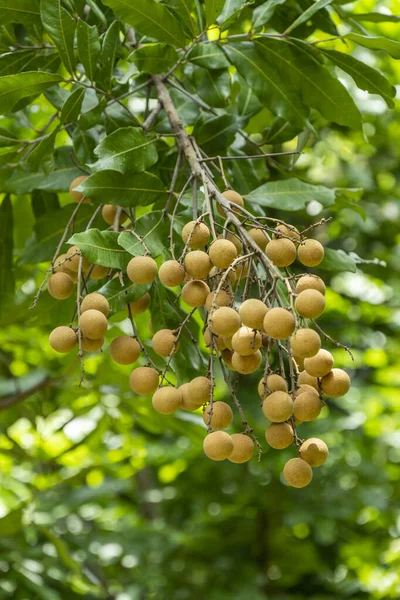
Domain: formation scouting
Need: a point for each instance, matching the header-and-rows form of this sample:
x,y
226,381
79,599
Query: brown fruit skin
x,y
273,383
109,211
60,286
140,305
200,236
218,445
307,406
63,339
305,378
258,235
221,299
299,360
305,343
281,252
233,197
99,272
310,282
287,231
93,324
164,342
218,340
279,435
200,388
197,264
242,270
224,321
246,364
142,269
227,357
279,323
243,448
77,196
187,401
310,304
246,341
319,365
91,345
144,380
306,388
310,253
222,253
60,264
95,301
232,238
166,400
171,273
297,473
336,383
222,415
252,313
74,255
314,451
195,293
278,407
124,350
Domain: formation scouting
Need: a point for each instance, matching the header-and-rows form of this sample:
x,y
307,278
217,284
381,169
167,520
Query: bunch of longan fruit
x,y
239,334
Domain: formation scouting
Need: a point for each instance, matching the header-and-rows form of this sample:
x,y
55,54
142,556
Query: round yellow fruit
x,y
243,448
281,252
222,415
97,302
227,358
246,341
310,304
232,238
224,321
279,323
232,197
200,389
124,350
305,343
259,236
336,383
220,299
171,273
279,435
310,282
63,339
307,406
314,451
74,256
278,407
99,272
140,305
252,313
297,473
195,293
93,324
188,403
164,342
142,269
222,253
273,383
197,264
144,380
60,286
305,378
320,364
284,230
166,400
305,387
246,364
311,253
78,196
195,234
109,212
218,445
91,345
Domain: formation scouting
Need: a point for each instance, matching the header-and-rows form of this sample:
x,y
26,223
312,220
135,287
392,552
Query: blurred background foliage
x,y
103,498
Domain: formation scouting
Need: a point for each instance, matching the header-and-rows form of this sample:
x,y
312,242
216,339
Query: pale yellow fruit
x,y
279,323
305,343
200,389
287,231
252,313
109,212
187,400
234,198
310,253
259,236
171,273
140,305
197,264
77,196
222,253
246,364
91,345
320,364
224,321
74,256
166,400
195,234
144,380
307,406
298,361
314,451
219,341
273,383
278,407
279,435
232,238
246,341
93,324
310,282
222,415
297,473
99,272
242,270
216,274
227,358
63,339
95,301
305,378
228,341
305,387
220,299
281,252
310,304
60,286
218,445
142,269
60,264
195,293
243,448
164,342
124,350
336,383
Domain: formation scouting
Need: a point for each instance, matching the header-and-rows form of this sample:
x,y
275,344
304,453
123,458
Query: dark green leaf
x,y
84,143
29,60
214,88
23,85
230,9
290,194
372,17
42,150
154,58
184,9
101,248
281,131
153,230
88,47
60,26
209,56
376,43
213,9
127,149
118,296
43,202
6,254
216,133
11,524
263,13
337,260
72,106
109,52
307,14
7,138
19,11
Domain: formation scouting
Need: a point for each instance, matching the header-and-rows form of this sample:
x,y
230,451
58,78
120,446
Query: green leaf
x,y
372,17
131,189
338,260
153,230
213,9
11,523
365,77
230,8
84,143
42,150
60,26
43,202
7,138
109,52
150,18
19,11
376,43
184,9
127,149
290,194
215,134
263,13
214,88
209,56
118,296
307,14
89,47
29,60
23,85
71,108
6,254
154,58
101,248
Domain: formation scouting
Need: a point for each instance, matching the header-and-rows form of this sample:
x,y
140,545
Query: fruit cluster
x,y
278,325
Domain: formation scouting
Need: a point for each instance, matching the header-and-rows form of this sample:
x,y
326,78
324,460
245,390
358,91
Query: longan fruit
x,y
299,360
142,269
166,400
310,282
320,364
220,299
91,345
144,380
218,340
242,270
99,272
273,383
227,358
60,286
246,364
200,389
109,211
297,473
187,401
73,256
93,324
224,321
60,264
218,445
281,252
234,198
310,304
305,387
305,378
310,253
246,341
288,231
279,435
314,451
63,339
278,407
228,341
216,274
336,383
198,232
307,406
243,448
258,235
305,343
164,342
140,305
195,293
279,323
232,238
171,273
95,301
197,264
124,350
222,415
77,196
252,313
222,253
